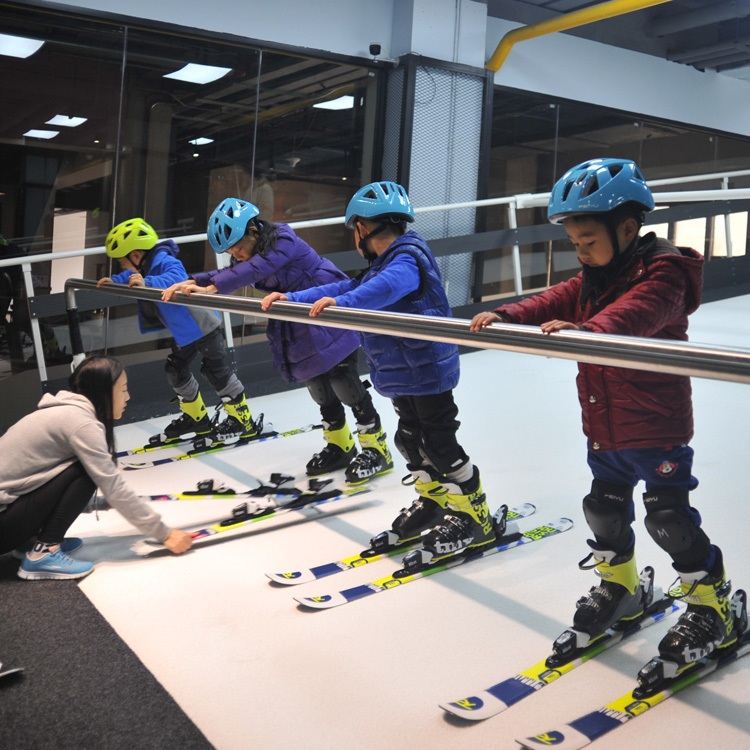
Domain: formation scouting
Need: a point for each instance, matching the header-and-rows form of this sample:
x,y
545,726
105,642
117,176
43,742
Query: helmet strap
x,y
362,244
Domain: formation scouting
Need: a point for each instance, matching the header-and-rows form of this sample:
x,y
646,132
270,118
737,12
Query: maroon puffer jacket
x,y
653,297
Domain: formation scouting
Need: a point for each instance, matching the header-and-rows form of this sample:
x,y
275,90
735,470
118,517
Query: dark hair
x,y
265,233
394,222
94,378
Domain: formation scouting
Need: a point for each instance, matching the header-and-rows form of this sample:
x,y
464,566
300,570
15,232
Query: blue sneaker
x,y
68,545
54,565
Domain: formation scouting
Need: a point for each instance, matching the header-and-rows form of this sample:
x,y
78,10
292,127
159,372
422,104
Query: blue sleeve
x,y
122,277
327,290
399,278
171,271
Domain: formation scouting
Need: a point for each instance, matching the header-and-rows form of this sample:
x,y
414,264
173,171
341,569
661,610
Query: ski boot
x,y
711,624
621,598
239,424
193,422
467,526
425,512
337,454
375,458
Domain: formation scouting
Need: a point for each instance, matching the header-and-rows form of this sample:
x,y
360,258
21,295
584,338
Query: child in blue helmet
x,y
638,423
272,257
418,376
150,262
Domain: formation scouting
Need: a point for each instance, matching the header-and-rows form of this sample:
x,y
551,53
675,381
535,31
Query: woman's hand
x,y
482,320
321,305
104,281
178,541
269,299
552,326
187,287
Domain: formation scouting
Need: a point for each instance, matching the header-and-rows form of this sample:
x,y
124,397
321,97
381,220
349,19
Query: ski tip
x,y
472,708
324,601
291,577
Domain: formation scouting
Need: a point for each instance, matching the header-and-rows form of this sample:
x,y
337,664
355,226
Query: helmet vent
x,y
591,186
566,191
370,194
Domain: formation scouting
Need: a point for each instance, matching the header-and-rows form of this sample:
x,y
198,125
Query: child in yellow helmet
x,y
150,262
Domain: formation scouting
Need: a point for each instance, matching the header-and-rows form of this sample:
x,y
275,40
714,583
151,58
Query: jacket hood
x,y
690,261
66,398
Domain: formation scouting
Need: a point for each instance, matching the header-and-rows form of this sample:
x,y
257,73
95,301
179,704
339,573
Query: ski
x,y
494,700
401,577
250,513
204,447
589,727
213,489
367,556
161,441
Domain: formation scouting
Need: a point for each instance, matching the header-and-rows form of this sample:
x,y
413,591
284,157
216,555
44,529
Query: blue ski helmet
x,y
227,225
598,186
379,199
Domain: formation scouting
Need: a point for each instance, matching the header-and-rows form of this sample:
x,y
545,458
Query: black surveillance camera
x,y
374,49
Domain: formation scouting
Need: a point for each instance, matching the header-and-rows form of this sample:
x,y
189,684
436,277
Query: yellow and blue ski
x,y
401,577
495,699
250,513
590,727
204,445
369,555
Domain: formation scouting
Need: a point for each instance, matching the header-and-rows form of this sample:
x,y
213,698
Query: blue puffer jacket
x,y
300,351
412,367
161,269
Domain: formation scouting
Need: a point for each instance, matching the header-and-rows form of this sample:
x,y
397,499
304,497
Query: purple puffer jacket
x,y
300,351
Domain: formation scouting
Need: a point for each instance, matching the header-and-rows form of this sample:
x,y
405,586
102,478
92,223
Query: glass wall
x,y
536,138
103,122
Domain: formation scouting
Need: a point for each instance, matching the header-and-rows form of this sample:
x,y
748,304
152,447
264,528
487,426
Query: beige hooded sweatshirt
x,y
46,442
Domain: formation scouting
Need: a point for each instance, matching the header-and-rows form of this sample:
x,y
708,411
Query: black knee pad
x,y
320,390
608,509
176,376
675,527
407,444
348,386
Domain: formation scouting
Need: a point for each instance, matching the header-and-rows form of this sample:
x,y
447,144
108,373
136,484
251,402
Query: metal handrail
x,y
520,201
656,355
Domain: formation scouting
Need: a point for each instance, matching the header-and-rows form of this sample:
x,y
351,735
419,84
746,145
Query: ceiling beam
x,y
673,23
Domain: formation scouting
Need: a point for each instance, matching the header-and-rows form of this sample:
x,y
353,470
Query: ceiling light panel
x,y
18,46
195,73
66,121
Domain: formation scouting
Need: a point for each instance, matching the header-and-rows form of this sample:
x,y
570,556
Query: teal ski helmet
x,y
598,186
379,199
227,224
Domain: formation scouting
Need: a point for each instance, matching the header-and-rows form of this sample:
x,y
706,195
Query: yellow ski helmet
x,y
129,235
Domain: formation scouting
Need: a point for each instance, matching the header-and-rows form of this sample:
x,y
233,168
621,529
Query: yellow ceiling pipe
x,y
567,21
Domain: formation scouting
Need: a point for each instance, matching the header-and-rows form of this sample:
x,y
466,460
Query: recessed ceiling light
x,y
41,133
343,102
201,141
67,121
194,73
19,46
344,179
96,140
196,155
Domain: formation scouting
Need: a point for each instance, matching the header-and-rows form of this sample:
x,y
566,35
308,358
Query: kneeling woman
x,y
53,460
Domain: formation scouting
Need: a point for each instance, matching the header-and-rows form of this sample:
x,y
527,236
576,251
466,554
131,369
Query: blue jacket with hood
x,y
161,269
405,278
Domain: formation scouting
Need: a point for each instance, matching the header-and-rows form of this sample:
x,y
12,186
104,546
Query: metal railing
x,y
512,203
656,355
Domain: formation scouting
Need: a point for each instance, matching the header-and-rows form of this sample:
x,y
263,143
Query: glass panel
x,y
309,155
535,138
57,144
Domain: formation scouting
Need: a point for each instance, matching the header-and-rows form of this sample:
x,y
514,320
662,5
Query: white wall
x,y
572,68
343,26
